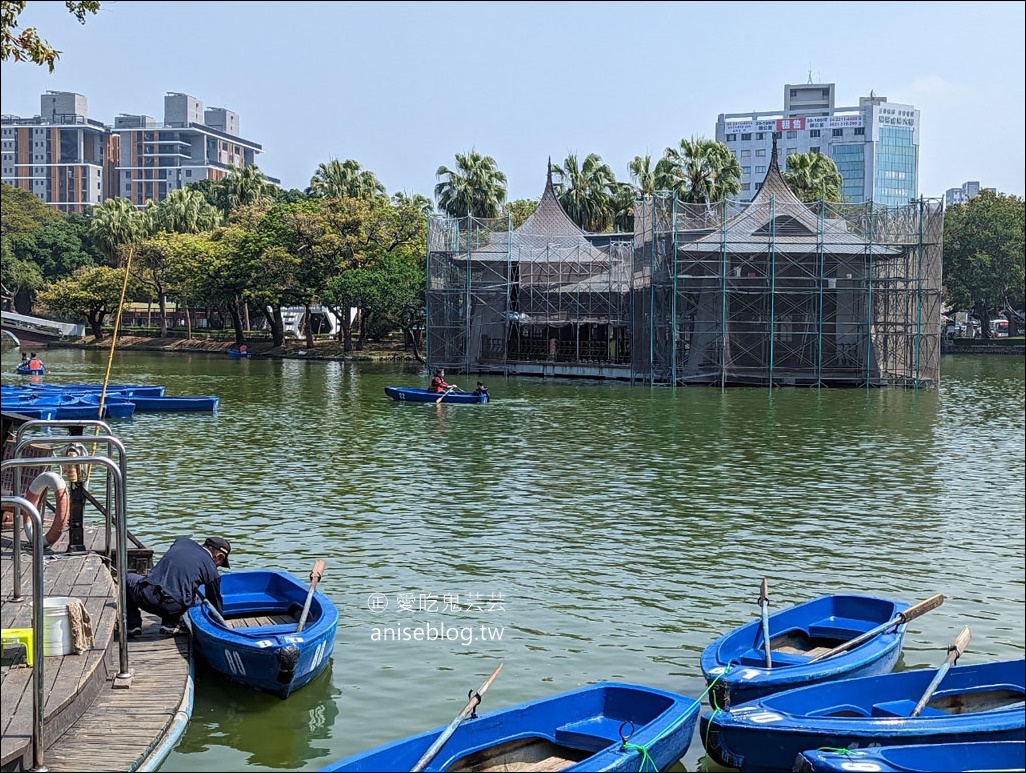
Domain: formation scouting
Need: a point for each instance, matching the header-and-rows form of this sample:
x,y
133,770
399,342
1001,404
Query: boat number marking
x,y
860,766
749,673
234,661
717,671
265,643
762,717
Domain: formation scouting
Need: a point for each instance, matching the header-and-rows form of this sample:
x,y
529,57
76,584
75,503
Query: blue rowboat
x,y
24,370
574,731
261,647
979,702
239,355
735,664
143,390
115,406
168,404
413,395
921,758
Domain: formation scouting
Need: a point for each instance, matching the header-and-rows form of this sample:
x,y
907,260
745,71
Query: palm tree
x,y
623,201
643,175
813,177
416,200
114,224
476,187
701,171
345,180
585,191
184,211
246,186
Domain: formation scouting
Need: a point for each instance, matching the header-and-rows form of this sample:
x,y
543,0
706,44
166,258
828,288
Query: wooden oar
x,y
315,574
475,699
213,611
911,613
447,391
764,604
954,652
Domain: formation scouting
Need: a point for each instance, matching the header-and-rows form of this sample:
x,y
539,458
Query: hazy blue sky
x,y
403,87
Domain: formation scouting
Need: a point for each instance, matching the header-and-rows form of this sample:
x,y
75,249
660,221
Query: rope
x,y
646,757
712,702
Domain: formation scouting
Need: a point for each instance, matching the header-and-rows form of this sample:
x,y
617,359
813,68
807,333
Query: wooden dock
x,y
89,725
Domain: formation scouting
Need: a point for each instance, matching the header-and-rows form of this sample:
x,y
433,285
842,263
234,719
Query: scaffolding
x,y
770,293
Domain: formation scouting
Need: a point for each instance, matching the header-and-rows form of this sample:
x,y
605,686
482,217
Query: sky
x,y
404,87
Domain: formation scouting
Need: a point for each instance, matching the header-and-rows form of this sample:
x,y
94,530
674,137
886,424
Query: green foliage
x,y
345,179
115,224
89,294
27,46
183,211
813,177
519,210
984,254
699,171
475,187
585,191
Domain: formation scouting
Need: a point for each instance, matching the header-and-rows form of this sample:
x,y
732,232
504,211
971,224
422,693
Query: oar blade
x,y
955,650
901,618
922,607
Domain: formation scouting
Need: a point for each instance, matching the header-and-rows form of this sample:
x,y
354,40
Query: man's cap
x,y
219,545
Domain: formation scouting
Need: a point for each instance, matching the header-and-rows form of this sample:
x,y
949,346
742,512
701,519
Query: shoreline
x,y
293,349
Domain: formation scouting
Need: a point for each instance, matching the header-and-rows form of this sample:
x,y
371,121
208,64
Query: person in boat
x,y
481,390
243,349
34,362
24,359
171,586
438,382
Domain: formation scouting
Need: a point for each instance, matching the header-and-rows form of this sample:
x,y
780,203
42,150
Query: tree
x,y
623,201
183,211
475,187
984,249
115,224
643,175
813,177
585,191
27,46
239,188
701,171
344,179
90,293
519,210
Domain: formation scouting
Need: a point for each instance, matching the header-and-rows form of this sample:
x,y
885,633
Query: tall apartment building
x,y
191,144
875,144
61,155
72,162
961,195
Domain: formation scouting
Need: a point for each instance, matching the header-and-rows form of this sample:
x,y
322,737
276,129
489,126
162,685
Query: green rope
x,y
646,758
712,702
832,749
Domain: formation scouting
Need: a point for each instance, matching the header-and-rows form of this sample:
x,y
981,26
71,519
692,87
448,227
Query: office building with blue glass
x,y
875,144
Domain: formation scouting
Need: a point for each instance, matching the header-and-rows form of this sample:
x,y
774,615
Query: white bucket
x,y
57,625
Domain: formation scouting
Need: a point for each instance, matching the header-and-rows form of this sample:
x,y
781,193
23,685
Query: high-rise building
x,y
875,144
73,163
60,155
961,195
190,145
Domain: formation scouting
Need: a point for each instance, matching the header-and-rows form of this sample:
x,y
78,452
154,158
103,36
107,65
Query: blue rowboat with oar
x,y
581,730
919,758
414,395
735,663
274,634
979,702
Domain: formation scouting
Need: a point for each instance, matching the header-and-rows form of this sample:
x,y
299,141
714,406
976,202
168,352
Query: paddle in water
x,y
955,650
468,710
447,391
901,618
315,574
764,607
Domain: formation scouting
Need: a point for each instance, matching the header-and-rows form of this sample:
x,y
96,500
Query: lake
x,y
574,532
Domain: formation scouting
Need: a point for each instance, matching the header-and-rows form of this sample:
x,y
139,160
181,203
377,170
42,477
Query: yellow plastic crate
x,y
11,635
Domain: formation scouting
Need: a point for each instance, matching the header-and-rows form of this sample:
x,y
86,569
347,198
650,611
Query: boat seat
x,y
254,603
591,734
903,708
843,628
757,658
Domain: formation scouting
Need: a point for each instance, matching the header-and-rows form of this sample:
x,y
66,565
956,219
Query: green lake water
x,y
604,532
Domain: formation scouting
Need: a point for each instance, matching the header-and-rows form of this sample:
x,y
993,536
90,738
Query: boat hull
x,y
735,663
262,650
922,758
980,702
173,404
412,395
236,354
575,731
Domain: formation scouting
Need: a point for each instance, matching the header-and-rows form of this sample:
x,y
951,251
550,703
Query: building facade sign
x,y
800,123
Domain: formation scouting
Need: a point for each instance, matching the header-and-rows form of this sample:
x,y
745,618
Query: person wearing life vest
x,y
34,362
438,382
